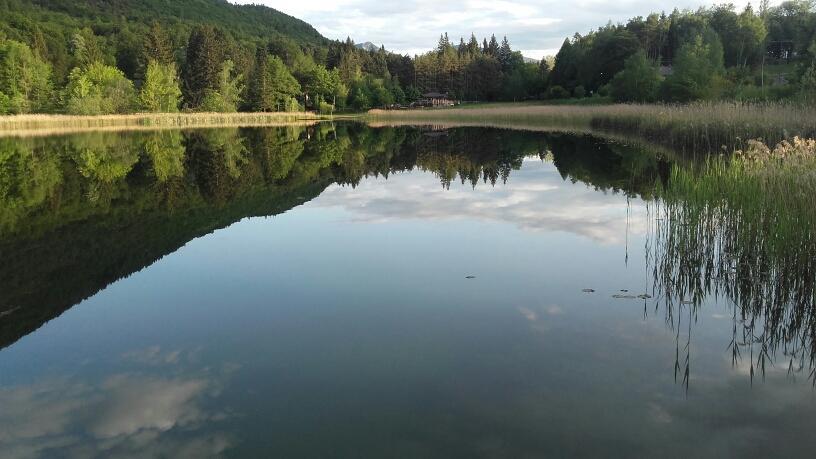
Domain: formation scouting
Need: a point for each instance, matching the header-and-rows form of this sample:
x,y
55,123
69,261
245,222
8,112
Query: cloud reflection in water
x,y
535,198
139,413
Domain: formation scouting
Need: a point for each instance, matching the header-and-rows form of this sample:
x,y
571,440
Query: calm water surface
x,y
344,291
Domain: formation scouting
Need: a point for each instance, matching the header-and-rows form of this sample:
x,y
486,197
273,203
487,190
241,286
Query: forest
x,y
96,57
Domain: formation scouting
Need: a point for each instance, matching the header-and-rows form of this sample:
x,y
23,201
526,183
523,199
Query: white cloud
x,y
535,198
536,27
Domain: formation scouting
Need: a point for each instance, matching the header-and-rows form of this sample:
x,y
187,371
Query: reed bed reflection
x,y
742,229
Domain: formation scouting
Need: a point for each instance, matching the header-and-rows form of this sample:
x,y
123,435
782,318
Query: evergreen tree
x,y
157,45
206,53
493,47
565,71
505,54
473,45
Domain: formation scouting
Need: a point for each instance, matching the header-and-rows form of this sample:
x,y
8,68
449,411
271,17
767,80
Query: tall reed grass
x,y
694,129
743,228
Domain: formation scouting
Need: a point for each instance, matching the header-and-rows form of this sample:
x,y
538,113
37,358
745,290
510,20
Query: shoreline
x,y
45,125
694,128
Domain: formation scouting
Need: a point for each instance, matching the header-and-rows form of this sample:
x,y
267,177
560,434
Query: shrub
x,y
558,92
98,89
326,108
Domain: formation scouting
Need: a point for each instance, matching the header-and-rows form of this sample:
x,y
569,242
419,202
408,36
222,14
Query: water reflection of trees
x,y
79,212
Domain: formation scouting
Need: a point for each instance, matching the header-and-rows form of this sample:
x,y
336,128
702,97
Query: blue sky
x,y
536,27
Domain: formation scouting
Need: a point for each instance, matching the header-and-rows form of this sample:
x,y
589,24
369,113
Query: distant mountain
x,y
530,60
368,46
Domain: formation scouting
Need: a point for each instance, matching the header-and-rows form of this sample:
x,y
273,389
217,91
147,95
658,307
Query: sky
x,y
536,27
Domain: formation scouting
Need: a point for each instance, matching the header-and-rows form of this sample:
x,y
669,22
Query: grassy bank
x,y
696,128
26,125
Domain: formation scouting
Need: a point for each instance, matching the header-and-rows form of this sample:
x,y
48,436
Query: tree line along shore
x,y
68,57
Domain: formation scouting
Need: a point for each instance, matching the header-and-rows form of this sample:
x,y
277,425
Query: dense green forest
x,y
121,56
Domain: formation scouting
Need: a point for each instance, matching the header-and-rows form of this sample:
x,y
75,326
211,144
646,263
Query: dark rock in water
x,y
625,297
470,277
624,291
645,296
588,290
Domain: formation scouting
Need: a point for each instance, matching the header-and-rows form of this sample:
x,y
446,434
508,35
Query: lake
x,y
339,290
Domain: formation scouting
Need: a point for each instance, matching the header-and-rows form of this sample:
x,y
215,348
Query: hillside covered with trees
x,y
118,56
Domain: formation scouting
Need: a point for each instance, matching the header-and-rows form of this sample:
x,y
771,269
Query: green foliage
x,y
206,53
558,92
808,83
158,46
326,108
412,94
226,97
200,35
523,82
579,92
5,104
160,92
371,92
25,79
272,87
98,89
639,80
698,71
88,48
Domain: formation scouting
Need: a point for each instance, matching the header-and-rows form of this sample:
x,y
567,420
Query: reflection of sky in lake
x,y
346,327
537,199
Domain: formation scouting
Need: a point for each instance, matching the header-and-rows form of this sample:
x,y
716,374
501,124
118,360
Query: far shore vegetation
x,y
702,81
70,57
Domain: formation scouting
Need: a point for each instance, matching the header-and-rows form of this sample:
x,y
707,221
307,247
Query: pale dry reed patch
x,y
27,125
696,128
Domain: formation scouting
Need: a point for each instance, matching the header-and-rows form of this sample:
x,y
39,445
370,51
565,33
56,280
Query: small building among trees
x,y
436,99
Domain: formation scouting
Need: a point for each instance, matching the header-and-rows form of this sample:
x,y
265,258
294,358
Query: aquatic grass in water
x,y
742,228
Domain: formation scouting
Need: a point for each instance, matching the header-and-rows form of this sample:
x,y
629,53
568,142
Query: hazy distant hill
x,y
368,46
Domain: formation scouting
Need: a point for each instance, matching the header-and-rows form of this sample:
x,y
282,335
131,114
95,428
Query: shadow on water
x,y
80,212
